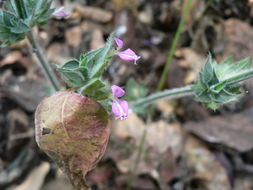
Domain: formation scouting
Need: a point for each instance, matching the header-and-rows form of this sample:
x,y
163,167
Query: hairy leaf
x,y
73,131
97,61
96,89
74,75
217,82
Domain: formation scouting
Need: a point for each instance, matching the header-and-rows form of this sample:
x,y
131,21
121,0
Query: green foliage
x,y
95,88
134,90
73,74
97,61
85,74
20,16
217,83
12,29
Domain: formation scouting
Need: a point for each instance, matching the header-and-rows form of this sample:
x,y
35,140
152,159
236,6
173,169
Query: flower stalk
x,y
166,94
241,76
188,90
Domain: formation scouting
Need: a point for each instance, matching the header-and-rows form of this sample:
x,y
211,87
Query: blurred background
x,y
186,146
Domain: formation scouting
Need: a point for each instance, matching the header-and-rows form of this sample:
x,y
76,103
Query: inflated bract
x,y
73,130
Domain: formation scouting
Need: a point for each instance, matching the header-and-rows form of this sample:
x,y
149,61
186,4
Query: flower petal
x,y
117,91
120,109
119,42
60,13
128,55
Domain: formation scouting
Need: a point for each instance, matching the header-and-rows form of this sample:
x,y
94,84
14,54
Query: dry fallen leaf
x,y
58,53
74,36
97,39
233,130
205,166
191,61
161,138
238,37
11,58
94,13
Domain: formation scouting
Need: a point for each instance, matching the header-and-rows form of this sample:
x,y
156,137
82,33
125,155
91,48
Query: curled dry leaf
x,y
73,131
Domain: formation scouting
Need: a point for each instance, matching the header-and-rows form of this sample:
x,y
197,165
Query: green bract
x,y
218,83
85,74
19,16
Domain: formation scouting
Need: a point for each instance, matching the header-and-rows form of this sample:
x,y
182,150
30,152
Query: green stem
x,y
188,90
166,94
185,12
241,76
43,61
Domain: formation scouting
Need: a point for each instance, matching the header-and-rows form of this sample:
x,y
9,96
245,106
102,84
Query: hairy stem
x,y
188,90
166,94
241,76
43,61
185,12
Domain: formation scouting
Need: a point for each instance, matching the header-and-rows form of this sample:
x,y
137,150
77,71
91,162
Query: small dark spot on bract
x,y
46,131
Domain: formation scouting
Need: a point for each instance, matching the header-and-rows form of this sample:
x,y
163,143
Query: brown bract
x,y
73,131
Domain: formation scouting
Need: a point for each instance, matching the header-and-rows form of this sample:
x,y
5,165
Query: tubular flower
x,y
60,13
128,54
119,107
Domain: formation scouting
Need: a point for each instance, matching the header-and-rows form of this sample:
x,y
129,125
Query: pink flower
x,y
119,107
60,13
117,91
128,54
119,42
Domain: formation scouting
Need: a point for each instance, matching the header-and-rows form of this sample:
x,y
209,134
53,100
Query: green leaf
x,y
12,29
199,88
13,23
227,68
42,11
134,90
204,98
216,81
216,88
37,11
206,74
97,61
96,89
74,75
